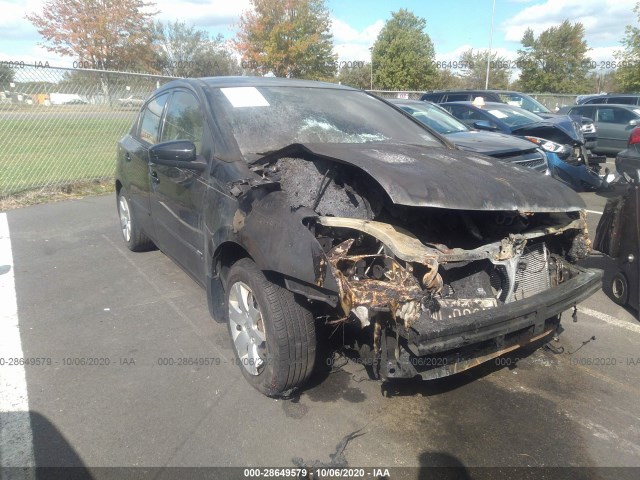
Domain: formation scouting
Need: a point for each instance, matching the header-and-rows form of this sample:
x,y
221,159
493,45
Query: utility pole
x,y
493,14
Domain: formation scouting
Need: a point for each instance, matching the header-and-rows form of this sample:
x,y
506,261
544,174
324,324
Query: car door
x,y
135,162
176,192
612,124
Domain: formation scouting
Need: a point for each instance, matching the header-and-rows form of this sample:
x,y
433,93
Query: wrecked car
x,y
296,204
504,147
560,136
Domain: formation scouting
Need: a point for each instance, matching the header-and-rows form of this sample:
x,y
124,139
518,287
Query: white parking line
x,y
632,327
16,438
593,211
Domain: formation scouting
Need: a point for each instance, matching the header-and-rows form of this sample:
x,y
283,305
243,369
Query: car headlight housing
x,y
562,151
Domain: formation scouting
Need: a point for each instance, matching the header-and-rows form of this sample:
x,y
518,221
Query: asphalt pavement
x,y
134,372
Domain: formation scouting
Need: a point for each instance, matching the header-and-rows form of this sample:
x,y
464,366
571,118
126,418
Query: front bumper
x,y
433,349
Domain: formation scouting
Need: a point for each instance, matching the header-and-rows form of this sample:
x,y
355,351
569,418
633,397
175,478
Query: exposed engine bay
x,y
412,277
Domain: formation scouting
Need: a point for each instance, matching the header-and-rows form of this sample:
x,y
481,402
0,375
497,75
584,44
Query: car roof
x,y
490,104
457,90
606,105
216,82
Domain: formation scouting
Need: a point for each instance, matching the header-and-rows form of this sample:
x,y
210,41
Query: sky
x,y
454,25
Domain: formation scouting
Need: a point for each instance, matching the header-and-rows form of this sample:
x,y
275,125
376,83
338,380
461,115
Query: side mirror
x,y
483,125
635,122
177,153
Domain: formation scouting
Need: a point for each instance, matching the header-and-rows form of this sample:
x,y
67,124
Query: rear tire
x,y
135,239
272,335
620,289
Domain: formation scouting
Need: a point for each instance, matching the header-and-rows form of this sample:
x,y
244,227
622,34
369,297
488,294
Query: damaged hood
x,y
561,129
438,177
490,143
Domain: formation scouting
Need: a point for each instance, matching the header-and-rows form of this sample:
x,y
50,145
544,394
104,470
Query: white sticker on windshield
x,y
498,113
245,97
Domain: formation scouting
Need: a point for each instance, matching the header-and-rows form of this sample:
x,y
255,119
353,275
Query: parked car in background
x,y
628,160
521,100
607,98
131,101
515,99
613,124
303,207
560,136
503,147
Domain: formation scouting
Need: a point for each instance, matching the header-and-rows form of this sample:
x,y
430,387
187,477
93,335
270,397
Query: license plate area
x,y
459,307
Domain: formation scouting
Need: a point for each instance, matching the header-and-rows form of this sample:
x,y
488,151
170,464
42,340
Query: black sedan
x,y
504,147
305,207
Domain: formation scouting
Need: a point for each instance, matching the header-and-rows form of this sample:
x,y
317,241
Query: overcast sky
x,y
454,26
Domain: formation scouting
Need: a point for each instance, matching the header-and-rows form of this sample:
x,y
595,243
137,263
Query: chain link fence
x,y
60,126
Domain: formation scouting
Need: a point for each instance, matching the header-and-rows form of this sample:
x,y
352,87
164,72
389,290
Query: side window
x,y
606,115
150,124
184,119
622,116
589,112
622,100
458,97
595,100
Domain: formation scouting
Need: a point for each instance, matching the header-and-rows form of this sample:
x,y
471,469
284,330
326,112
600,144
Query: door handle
x,y
154,178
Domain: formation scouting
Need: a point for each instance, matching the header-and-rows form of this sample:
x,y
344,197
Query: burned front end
x,y
440,285
434,310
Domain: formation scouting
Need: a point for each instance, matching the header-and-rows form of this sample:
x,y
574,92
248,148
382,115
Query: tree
x,y
474,70
403,54
104,34
290,38
628,72
603,81
6,76
355,75
184,51
447,78
556,61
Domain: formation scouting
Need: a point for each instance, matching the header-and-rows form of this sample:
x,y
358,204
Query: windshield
x,y
512,116
524,101
264,119
434,118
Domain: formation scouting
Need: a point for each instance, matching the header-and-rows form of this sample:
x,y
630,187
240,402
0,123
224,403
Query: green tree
x,y
290,38
6,76
184,51
474,70
403,54
448,78
357,75
603,81
628,74
556,61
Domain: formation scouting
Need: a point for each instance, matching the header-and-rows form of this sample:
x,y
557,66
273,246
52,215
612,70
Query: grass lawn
x,y
52,150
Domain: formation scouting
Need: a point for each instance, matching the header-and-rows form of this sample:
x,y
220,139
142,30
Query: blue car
x,y
560,137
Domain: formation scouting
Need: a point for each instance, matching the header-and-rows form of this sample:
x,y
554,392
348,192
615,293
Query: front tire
x,y
620,289
135,239
272,335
